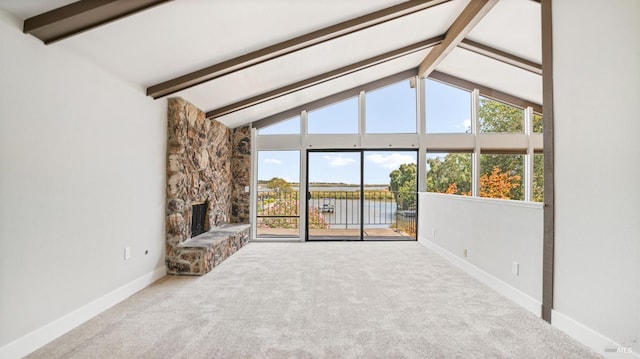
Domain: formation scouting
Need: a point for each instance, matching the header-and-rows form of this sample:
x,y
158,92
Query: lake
x,y
346,212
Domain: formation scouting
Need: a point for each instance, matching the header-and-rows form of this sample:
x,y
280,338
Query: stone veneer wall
x,y
241,172
200,167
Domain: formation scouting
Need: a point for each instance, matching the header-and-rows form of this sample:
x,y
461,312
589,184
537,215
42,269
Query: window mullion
x,y
528,159
475,129
362,116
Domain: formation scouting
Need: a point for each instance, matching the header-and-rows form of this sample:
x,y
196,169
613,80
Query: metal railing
x,y
339,209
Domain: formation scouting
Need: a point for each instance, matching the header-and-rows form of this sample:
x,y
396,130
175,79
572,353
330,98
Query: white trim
x,y
528,159
475,130
421,128
362,115
253,194
47,333
495,201
587,336
277,240
302,176
517,296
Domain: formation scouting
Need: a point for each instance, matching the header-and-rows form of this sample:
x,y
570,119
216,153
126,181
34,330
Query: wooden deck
x,y
335,234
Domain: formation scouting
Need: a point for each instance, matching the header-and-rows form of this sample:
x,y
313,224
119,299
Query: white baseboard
x,y
589,337
494,283
41,336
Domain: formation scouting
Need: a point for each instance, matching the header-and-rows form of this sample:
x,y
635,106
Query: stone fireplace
x,y
208,167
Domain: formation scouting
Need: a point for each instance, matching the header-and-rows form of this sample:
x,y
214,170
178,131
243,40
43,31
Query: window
x,y
448,108
277,200
449,173
391,109
337,118
450,132
286,127
538,125
501,176
538,178
497,116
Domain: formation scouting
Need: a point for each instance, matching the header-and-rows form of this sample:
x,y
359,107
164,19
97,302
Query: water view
x,y
341,209
352,195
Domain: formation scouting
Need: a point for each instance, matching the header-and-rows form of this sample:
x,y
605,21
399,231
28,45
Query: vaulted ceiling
x,y
244,60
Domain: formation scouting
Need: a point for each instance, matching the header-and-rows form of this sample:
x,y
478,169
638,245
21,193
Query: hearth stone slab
x,y
200,254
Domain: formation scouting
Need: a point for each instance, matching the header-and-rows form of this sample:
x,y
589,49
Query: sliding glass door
x,y
361,195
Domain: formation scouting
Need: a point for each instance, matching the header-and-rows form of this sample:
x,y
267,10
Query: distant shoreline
x,y
327,184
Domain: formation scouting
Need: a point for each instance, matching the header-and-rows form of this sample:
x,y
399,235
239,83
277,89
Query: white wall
x,y
596,49
495,233
82,175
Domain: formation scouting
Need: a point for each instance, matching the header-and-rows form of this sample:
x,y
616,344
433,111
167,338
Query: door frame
x,y
361,151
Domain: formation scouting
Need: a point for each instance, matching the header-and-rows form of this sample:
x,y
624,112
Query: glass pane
x,y
501,176
391,109
286,127
278,194
537,123
538,178
390,195
497,116
449,173
334,202
341,117
448,108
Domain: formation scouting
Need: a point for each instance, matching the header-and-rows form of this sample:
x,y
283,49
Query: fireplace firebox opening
x,y
198,218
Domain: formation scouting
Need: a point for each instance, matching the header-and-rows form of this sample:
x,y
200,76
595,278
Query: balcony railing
x,y
339,210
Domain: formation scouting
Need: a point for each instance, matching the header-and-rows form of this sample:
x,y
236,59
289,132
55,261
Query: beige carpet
x,y
319,300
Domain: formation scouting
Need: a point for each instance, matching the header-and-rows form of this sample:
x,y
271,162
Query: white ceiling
x,y
513,26
182,36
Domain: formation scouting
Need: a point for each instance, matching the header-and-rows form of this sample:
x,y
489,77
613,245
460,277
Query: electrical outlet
x,y
464,252
515,268
127,253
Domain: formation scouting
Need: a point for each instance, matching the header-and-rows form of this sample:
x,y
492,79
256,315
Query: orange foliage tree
x,y
498,184
453,189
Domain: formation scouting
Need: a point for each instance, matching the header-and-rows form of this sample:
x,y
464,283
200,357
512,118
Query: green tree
x,y
279,185
496,116
403,185
538,178
451,174
538,124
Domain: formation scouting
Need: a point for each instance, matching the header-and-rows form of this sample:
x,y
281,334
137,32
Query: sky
x,y
333,167
390,109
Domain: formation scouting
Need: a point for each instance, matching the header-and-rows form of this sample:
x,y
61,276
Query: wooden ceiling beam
x,y
81,16
463,24
327,76
502,56
289,46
